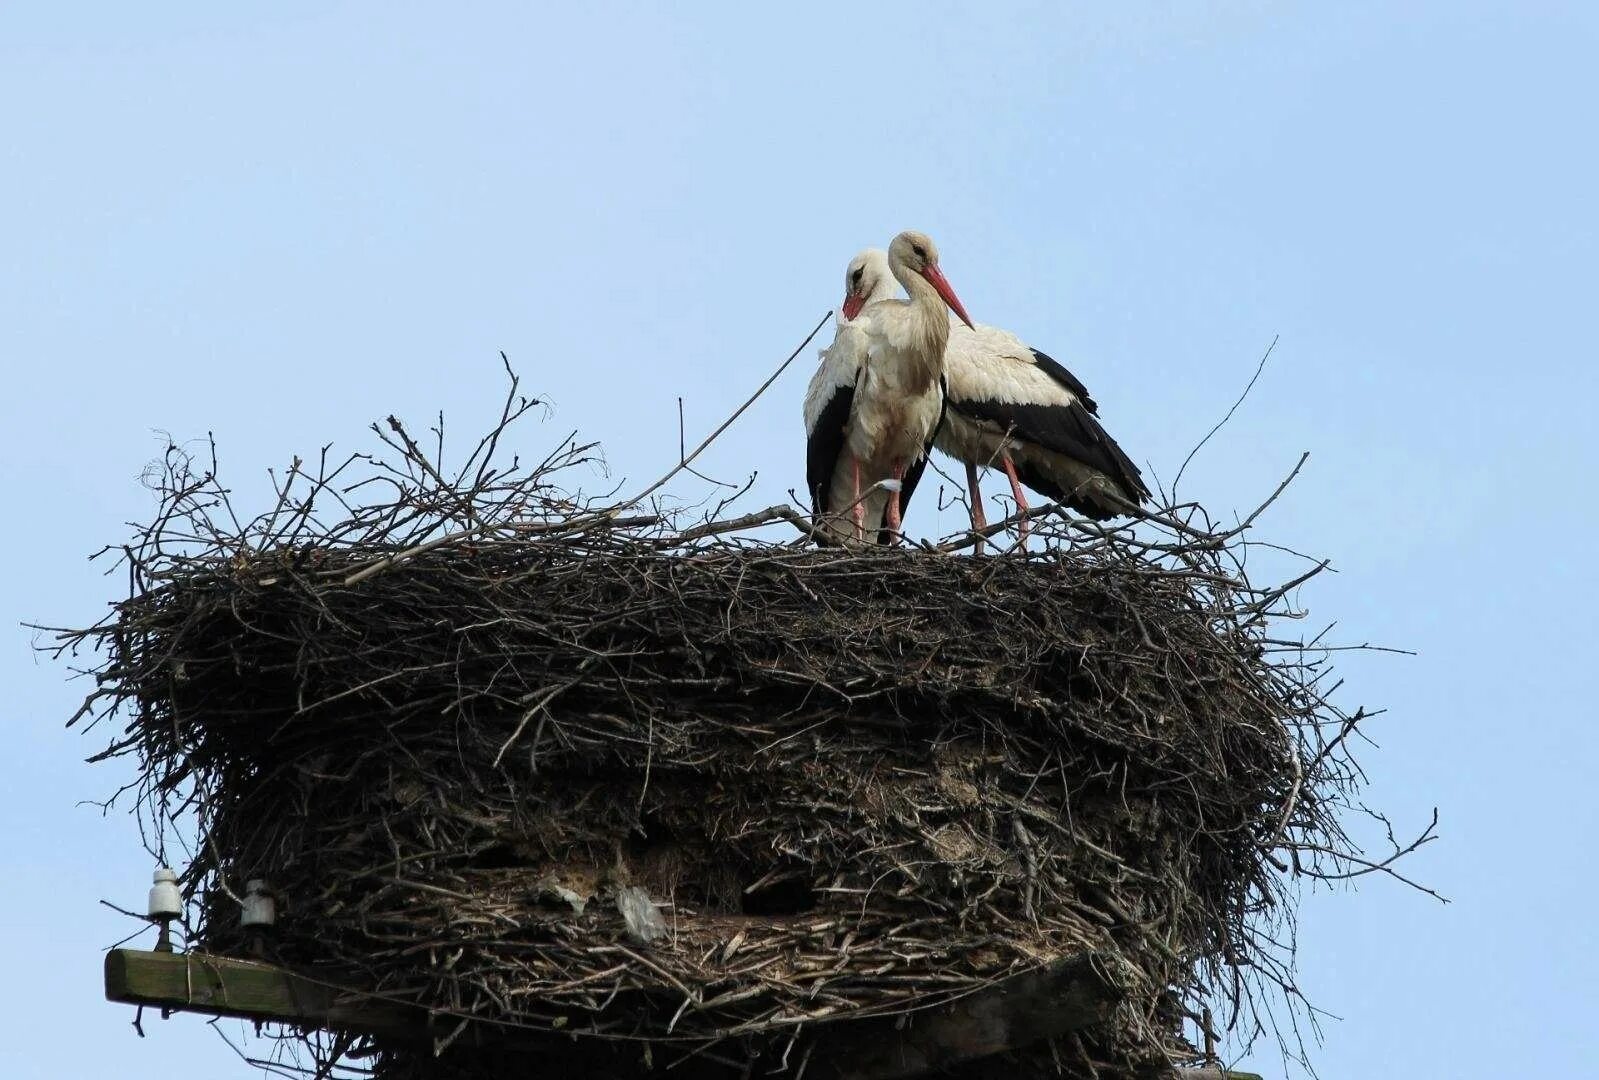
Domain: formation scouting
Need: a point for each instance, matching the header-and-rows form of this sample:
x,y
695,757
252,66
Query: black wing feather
x,y
1056,371
825,444
1072,430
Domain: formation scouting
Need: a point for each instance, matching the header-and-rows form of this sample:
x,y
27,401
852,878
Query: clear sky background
x,y
282,224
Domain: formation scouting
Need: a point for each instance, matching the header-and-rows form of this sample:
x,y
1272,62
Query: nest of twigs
x,y
551,768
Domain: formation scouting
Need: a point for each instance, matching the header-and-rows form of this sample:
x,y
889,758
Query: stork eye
x,y
921,253
856,277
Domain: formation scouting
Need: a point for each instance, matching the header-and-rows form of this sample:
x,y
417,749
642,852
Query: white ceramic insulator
x,y
259,907
166,902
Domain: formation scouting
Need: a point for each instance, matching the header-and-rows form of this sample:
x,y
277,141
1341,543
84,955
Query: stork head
x,y
866,280
915,253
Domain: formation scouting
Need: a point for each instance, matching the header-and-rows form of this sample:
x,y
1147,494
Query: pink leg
x,y
1016,490
858,510
891,514
979,519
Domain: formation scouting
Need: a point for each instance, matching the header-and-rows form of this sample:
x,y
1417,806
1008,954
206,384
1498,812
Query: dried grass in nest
x,y
457,726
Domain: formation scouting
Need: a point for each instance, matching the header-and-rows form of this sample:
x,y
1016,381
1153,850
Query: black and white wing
x,y
999,383
828,402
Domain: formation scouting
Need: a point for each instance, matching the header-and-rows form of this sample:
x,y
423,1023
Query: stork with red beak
x,y
1008,406
877,399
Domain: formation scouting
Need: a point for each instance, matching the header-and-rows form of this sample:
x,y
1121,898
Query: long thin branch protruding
x,y
712,437
1222,422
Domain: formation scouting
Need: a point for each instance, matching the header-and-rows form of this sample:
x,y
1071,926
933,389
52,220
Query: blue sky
x,y
283,223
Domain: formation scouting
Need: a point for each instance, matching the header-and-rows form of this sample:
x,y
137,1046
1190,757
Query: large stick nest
x,y
568,766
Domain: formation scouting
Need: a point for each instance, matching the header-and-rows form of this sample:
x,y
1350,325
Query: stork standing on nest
x,y
877,399
1013,406
1009,406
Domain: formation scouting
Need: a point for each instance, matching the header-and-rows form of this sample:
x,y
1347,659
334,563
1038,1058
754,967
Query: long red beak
x,y
853,305
936,276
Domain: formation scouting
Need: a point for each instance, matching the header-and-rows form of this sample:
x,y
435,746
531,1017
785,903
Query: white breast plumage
x,y
876,401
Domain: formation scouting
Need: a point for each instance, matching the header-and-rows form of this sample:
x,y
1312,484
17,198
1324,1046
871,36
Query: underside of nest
x,y
603,786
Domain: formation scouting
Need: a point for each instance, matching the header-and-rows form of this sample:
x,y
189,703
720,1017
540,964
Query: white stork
x,y
1013,406
878,396
1008,405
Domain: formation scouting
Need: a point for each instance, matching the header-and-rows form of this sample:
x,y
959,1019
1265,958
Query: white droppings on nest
x,y
640,915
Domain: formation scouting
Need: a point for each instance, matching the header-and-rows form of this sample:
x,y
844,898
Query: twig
x,y
779,512
684,463
538,707
1222,422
